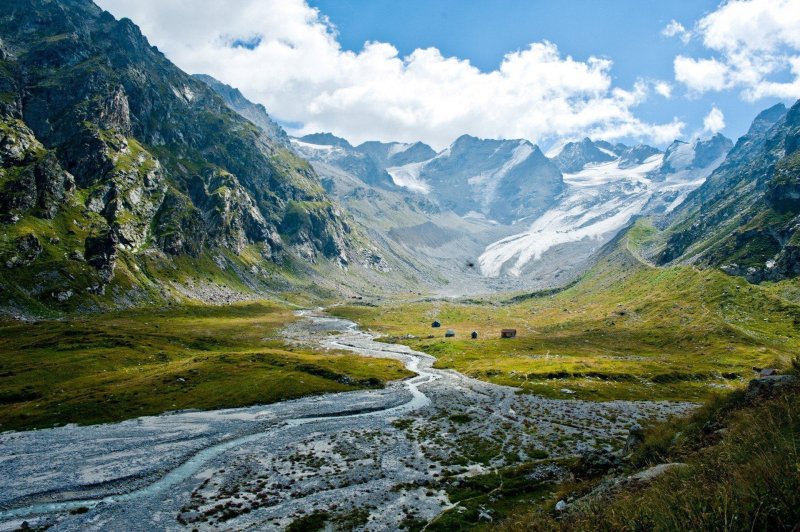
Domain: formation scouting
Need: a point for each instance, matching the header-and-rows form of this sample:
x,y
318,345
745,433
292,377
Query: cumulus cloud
x,y
714,122
285,54
663,88
755,46
676,29
701,75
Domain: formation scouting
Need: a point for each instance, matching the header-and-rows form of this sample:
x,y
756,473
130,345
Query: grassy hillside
x,y
93,368
626,330
741,472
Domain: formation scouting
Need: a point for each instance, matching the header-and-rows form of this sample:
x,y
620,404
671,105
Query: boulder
x,y
635,438
63,295
769,386
595,463
28,249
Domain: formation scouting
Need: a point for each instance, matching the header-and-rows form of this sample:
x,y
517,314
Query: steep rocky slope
x,y
327,149
745,217
114,164
254,112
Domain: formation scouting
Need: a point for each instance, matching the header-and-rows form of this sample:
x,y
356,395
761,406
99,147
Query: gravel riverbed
x,y
370,459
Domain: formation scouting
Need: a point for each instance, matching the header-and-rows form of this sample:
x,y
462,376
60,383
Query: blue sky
x,y
625,31
545,71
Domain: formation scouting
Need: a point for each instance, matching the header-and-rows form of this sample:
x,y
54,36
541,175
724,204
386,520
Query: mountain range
x,y
125,180
534,219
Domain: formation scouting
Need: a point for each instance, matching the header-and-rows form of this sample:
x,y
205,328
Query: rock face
x,y
254,112
504,180
389,154
700,153
38,183
120,151
595,463
745,217
575,155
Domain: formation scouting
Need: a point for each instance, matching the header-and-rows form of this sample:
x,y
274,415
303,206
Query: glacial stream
x,y
414,361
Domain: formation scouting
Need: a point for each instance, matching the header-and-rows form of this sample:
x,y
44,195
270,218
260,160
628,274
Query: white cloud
x,y
676,29
756,25
298,70
714,121
701,75
664,89
756,47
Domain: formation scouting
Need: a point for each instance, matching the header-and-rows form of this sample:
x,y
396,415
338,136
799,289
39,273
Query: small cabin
x,y
474,335
450,333
508,333
436,324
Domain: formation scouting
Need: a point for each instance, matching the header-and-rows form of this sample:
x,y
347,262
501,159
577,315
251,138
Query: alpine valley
x,y
207,323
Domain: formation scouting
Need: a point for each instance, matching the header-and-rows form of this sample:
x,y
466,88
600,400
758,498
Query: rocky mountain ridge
x,y
115,164
607,185
254,112
745,217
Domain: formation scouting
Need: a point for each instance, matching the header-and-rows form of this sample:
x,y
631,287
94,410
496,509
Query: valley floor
x,y
429,449
96,368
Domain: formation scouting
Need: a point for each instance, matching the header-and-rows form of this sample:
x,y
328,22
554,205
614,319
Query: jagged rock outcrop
x,y
26,250
575,155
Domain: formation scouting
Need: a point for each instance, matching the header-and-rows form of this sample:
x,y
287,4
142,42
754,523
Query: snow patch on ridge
x,y
398,147
486,182
315,147
407,176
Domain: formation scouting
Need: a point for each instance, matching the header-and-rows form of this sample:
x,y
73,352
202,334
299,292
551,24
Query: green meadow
x,y
108,367
625,330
